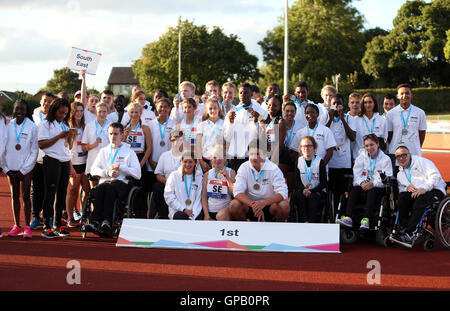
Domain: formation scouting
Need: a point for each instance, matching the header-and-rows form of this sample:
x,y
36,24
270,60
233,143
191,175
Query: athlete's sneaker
x,y
402,238
48,233
345,221
76,215
72,223
105,228
15,231
92,227
61,232
27,234
1,234
35,223
364,223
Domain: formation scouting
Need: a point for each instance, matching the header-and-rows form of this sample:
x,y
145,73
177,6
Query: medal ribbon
x,y
188,191
370,130
259,175
309,172
190,128
288,139
409,172
111,157
372,166
21,129
405,122
162,133
96,128
314,131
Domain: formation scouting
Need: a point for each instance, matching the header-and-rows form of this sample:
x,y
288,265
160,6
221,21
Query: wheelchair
x,y
327,214
380,225
128,208
435,222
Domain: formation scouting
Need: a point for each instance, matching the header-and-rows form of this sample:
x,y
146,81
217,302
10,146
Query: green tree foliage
x,y
414,49
326,37
206,55
64,80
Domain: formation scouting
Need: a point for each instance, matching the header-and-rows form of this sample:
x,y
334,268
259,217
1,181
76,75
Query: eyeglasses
x,y
401,156
307,146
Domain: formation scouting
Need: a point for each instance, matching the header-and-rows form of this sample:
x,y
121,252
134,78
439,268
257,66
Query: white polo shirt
x,y
212,134
38,117
160,132
167,164
91,131
410,138
147,116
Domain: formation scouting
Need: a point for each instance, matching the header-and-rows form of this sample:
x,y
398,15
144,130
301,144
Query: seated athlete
x,y
260,190
114,163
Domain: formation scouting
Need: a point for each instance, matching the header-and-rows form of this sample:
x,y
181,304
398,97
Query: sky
x,y
36,36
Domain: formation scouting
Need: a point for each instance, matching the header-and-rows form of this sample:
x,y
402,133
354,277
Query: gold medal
x,y
188,202
66,143
256,186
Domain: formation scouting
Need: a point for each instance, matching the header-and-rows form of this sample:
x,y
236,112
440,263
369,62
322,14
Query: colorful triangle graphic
x,y
122,241
221,244
334,247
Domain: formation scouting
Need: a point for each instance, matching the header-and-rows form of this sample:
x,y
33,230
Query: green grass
x,y
433,117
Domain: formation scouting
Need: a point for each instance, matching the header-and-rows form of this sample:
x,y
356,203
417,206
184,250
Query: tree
x,y
63,80
325,38
206,55
414,49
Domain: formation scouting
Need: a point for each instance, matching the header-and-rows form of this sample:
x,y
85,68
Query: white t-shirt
x,y
323,136
147,116
270,180
160,132
167,164
409,135
91,131
342,155
300,115
78,155
24,159
242,131
58,150
38,117
212,134
364,126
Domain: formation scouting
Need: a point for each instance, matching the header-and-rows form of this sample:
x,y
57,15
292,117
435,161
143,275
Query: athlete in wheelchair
x,y
370,176
309,200
420,202
115,165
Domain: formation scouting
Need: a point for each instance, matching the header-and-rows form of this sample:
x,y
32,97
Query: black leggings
x,y
159,201
105,195
56,179
417,206
372,198
310,209
37,189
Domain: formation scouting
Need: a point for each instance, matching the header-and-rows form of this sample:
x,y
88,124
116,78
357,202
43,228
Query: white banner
x,y
83,59
229,235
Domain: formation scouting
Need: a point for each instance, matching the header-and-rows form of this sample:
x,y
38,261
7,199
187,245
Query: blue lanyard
x,y
188,191
405,122
63,126
21,129
370,130
111,157
224,169
136,128
40,115
409,172
287,141
190,128
259,175
162,133
216,126
241,106
372,166
97,134
309,172
314,131
336,119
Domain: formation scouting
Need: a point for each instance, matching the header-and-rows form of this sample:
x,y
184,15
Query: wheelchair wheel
x,y
131,210
381,236
348,236
428,245
388,243
442,222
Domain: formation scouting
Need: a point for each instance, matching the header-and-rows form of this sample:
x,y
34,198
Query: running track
x,y
40,264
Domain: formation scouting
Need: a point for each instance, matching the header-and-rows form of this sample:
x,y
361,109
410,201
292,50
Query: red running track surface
x,y
41,264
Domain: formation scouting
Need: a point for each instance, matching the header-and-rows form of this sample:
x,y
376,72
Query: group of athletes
x,y
205,158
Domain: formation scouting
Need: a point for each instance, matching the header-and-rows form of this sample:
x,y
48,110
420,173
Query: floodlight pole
x,y
179,57
286,49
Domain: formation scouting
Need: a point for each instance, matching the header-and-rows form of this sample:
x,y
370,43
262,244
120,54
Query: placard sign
x,y
83,59
229,235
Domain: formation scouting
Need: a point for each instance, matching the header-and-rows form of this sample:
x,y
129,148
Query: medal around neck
x,y
18,147
256,186
162,143
188,202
